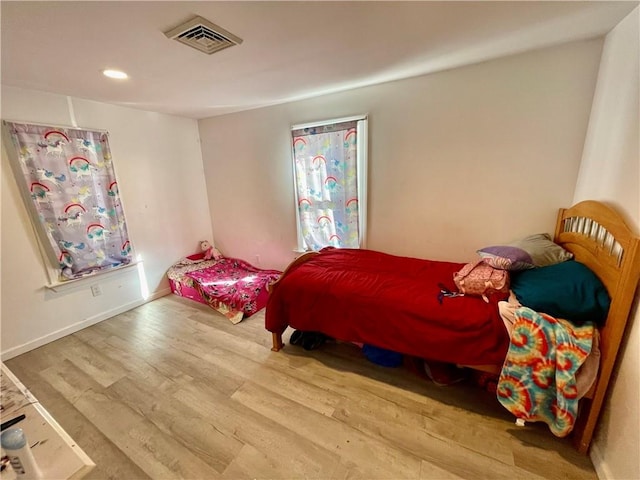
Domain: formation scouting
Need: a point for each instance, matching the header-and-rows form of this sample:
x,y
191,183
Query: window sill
x,y
91,278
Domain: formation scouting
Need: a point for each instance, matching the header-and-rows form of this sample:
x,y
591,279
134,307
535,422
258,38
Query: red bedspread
x,y
390,302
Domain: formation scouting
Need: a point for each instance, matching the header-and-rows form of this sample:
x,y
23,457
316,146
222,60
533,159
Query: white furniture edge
x,y
88,463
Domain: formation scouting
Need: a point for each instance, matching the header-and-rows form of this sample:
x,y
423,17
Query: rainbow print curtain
x,y
72,186
326,181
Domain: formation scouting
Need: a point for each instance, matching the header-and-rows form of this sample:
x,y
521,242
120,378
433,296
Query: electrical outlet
x,y
257,259
96,290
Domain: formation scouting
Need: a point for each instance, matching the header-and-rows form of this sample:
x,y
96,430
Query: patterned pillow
x,y
533,251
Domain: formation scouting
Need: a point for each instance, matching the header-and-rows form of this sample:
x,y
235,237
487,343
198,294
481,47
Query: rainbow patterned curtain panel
x,y
70,184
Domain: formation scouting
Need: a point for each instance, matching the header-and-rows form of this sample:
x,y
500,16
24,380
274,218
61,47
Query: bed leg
x,y
277,342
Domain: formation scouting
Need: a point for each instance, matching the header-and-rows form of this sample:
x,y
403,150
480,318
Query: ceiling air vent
x,y
203,35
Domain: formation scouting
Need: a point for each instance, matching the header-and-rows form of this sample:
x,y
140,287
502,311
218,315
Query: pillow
x,y
533,251
568,290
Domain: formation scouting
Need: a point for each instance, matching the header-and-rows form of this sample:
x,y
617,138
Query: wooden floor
x,y
174,390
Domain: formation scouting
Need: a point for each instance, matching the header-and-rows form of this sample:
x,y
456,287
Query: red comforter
x,y
390,302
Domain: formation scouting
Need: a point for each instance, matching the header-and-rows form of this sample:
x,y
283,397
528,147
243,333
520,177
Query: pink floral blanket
x,y
233,286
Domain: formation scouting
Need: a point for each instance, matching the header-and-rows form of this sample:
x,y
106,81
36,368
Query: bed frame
x,y
598,237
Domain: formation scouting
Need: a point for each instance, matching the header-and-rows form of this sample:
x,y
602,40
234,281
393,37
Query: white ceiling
x,y
291,50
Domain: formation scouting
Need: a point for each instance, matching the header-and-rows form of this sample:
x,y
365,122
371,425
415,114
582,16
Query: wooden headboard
x,y
598,237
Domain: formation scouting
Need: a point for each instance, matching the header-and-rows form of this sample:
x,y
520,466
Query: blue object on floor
x,y
383,357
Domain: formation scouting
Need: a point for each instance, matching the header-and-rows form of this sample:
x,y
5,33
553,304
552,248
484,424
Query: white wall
x,y
610,171
160,177
458,160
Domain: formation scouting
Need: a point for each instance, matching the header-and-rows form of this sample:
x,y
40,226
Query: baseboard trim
x,y
597,458
63,332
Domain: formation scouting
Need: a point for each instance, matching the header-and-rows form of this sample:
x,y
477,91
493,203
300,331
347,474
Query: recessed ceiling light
x,y
115,74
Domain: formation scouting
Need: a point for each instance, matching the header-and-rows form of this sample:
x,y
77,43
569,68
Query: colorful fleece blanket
x,y
231,286
538,379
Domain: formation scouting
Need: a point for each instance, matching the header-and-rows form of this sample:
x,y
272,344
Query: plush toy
x,y
210,252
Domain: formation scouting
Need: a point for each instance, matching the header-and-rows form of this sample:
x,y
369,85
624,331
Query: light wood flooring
x,y
174,390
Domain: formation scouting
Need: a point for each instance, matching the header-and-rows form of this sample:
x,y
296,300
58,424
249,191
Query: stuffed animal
x,y
210,252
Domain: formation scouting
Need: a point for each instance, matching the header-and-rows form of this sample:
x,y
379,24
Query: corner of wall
x,y
597,458
609,171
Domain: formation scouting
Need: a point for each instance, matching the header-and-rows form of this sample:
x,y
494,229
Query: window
x,y
330,175
69,184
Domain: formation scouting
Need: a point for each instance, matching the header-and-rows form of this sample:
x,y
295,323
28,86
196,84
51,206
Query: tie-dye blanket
x,y
538,379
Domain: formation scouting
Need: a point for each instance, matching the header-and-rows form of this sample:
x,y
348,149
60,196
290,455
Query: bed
x,y
230,286
394,302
